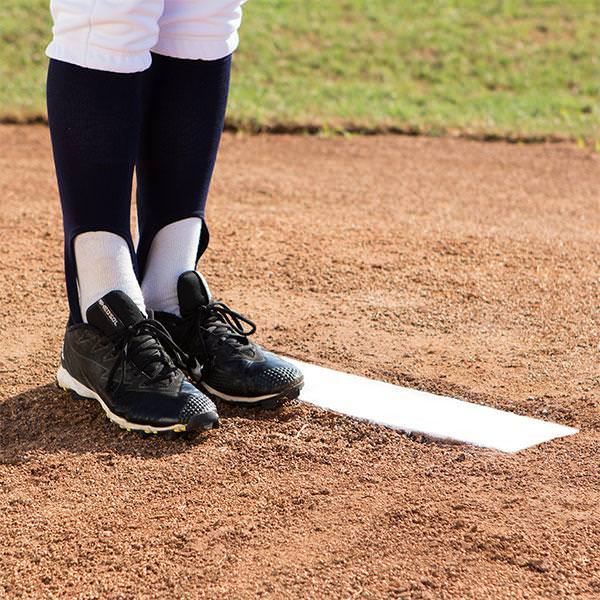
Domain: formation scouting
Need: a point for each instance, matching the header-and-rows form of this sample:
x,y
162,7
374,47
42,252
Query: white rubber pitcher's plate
x,y
435,416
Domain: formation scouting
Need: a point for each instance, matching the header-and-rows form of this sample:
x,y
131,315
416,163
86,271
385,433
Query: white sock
x,y
173,252
103,265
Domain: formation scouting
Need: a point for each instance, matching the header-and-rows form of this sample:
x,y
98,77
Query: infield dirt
x,y
464,268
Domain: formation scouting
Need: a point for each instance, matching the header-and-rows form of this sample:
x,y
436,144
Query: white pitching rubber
x,y
414,411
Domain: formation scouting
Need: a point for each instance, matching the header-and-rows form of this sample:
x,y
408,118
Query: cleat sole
x,y
268,402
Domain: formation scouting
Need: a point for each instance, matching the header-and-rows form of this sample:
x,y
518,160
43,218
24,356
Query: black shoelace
x,y
147,343
227,325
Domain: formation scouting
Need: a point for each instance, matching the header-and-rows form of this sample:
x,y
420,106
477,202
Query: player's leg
x,y
98,54
111,351
185,102
187,92
94,118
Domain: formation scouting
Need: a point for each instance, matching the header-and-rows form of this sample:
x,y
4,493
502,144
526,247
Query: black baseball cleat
x,y
132,367
229,366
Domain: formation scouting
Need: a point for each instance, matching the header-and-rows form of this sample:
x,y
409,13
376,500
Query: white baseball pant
x,y
118,35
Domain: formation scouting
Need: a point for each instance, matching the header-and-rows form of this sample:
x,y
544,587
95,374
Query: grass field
x,y
511,68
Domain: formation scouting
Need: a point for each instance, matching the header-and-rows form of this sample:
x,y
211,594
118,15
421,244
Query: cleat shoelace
x,y
150,347
223,323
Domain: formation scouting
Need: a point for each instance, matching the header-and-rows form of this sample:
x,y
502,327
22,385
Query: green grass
x,y
506,68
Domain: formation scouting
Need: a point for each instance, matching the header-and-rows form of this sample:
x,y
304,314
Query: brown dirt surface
x,y
464,268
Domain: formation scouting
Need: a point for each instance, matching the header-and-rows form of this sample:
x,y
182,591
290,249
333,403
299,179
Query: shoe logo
x,y
109,313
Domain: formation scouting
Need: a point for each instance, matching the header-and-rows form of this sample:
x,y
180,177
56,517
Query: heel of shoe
x,y
67,382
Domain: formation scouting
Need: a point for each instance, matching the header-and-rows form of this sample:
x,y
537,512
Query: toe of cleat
x,y
203,422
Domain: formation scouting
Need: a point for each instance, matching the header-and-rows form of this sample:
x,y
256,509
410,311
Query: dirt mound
x,y
464,268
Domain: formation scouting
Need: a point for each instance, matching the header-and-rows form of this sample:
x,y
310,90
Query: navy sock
x,y
95,119
184,110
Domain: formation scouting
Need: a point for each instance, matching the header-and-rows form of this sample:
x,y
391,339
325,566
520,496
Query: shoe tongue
x,y
192,291
113,313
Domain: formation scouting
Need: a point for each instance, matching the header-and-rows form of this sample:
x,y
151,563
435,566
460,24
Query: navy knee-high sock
x,y
184,109
94,118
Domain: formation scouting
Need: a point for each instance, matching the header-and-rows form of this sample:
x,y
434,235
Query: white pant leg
x,y
199,29
109,35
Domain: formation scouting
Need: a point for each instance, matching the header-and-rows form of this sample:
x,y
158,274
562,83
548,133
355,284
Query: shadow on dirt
x,y
49,420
